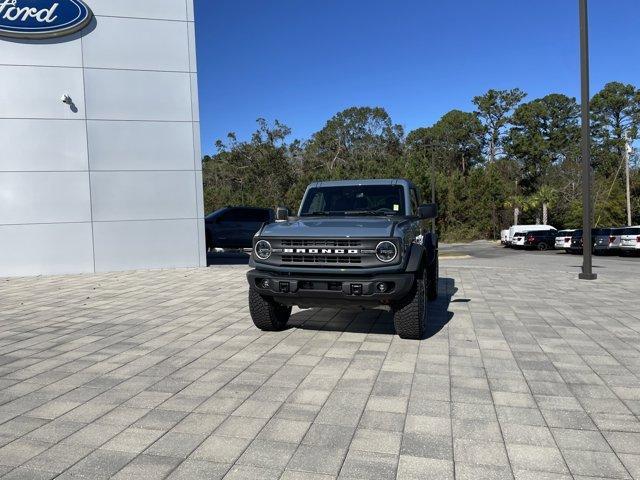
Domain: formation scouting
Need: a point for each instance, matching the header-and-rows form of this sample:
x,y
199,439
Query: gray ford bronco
x,y
356,243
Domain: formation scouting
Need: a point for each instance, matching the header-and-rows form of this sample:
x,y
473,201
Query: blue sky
x,y
301,61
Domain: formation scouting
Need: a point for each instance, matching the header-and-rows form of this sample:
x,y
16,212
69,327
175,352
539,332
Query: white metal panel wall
x,y
114,182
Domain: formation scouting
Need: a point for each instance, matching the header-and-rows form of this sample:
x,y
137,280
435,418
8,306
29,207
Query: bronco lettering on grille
x,y
323,251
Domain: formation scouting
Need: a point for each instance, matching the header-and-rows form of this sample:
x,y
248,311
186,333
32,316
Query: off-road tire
x,y
433,273
266,314
542,246
410,314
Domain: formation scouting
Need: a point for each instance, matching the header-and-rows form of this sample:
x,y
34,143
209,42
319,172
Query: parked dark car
x,y
576,242
540,239
234,227
601,238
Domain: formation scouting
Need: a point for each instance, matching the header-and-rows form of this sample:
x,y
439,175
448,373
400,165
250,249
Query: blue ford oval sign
x,y
42,18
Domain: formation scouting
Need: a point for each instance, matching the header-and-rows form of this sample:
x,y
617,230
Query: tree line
x,y
511,160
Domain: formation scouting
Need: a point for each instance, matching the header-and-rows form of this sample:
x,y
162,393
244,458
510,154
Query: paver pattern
x,y
145,375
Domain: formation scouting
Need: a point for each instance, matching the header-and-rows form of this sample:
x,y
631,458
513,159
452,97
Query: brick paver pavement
x,y
526,375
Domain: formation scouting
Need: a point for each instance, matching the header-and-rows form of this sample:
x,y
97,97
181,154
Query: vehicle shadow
x,y
227,258
376,321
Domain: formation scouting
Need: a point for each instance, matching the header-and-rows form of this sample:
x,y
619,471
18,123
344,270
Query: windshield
x,y
355,200
632,231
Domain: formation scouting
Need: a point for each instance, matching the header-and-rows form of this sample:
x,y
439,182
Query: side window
x,y
229,216
414,201
258,215
243,215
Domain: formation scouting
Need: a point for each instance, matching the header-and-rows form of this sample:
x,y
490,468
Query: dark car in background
x,y
576,242
234,227
601,238
540,239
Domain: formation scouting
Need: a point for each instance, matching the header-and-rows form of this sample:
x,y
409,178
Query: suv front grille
x,y
320,259
348,253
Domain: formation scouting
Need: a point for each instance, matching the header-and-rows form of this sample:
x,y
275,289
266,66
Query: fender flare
x,y
421,255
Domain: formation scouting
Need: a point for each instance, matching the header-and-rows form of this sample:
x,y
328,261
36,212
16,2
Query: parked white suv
x,y
504,237
518,239
563,239
630,240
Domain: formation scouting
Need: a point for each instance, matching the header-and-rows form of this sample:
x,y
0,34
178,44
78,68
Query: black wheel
x,y
209,241
542,246
266,314
410,315
432,280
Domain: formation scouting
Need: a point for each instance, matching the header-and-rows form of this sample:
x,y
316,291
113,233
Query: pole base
x,y
588,276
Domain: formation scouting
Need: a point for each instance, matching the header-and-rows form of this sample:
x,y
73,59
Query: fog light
x,y
264,283
381,287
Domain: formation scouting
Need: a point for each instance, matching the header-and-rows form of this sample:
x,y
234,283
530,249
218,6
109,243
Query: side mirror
x,y
429,210
282,214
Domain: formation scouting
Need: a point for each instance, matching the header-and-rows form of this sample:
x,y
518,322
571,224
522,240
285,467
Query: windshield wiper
x,y
369,212
316,213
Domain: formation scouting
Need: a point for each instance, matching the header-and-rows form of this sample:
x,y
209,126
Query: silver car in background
x,y
615,238
630,242
563,240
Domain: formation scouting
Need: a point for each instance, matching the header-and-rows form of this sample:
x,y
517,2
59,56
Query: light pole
x,y
587,266
627,151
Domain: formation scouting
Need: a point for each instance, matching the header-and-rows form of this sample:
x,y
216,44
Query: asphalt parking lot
x,y
526,373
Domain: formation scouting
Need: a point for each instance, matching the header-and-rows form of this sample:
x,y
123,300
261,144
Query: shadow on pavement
x,y
376,321
227,258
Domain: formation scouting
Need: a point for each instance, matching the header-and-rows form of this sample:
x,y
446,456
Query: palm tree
x,y
546,197
519,203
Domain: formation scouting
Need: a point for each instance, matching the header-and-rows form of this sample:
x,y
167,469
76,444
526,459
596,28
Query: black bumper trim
x,y
323,290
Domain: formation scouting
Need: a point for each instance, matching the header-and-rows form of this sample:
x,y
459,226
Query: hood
x,y
348,227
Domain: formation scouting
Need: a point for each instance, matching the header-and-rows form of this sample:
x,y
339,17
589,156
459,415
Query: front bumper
x,y
321,290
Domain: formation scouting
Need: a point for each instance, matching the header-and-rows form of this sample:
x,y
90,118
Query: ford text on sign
x,y
42,18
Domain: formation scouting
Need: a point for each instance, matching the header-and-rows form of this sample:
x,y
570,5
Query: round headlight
x,y
263,249
386,251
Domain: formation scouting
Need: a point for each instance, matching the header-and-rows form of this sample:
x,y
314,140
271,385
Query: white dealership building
x,y
99,137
